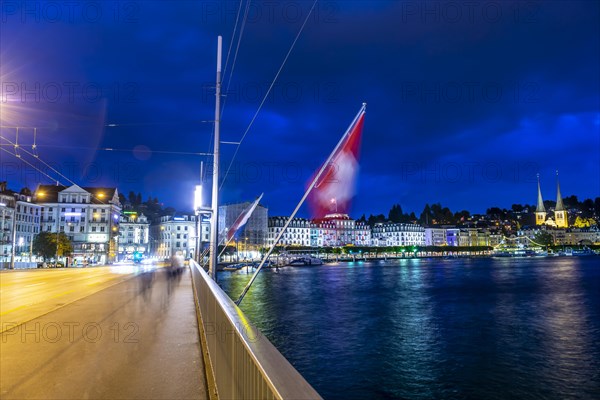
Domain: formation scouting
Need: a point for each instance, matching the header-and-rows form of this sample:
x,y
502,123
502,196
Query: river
x,y
472,328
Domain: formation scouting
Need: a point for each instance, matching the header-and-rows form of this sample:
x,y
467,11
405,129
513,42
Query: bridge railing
x,y
243,364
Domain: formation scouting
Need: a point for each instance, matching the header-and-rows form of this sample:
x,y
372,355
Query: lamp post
x,y
197,207
14,242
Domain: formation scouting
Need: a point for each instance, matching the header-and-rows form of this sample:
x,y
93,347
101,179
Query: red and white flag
x,y
335,188
242,219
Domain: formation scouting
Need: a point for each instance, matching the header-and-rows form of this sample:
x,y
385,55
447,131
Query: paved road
x,y
136,339
27,294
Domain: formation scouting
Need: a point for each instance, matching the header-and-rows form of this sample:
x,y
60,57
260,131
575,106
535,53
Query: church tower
x,y
540,211
560,213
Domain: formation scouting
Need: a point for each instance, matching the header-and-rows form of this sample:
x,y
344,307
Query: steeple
x,y
559,202
540,202
560,213
540,211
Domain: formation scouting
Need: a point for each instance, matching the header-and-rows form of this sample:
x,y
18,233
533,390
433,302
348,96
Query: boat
x,y
305,262
586,251
234,267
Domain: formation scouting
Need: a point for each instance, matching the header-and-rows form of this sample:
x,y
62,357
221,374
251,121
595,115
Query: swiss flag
x,y
335,188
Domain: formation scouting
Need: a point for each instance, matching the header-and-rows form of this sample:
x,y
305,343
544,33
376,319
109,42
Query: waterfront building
x,y
335,230
435,236
397,234
174,235
452,235
89,216
254,233
576,236
134,235
298,232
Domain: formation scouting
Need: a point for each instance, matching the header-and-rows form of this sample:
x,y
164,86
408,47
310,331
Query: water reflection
x,y
461,328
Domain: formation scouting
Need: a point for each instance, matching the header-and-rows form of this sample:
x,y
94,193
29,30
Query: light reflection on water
x,y
461,328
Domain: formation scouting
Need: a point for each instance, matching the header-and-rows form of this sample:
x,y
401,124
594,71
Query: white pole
x,y
14,240
214,221
310,188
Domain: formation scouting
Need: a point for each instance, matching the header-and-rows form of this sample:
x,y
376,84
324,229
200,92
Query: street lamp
x,y
197,206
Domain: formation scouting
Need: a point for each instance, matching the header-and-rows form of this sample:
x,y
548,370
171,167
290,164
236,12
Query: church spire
x,y
540,200
560,213
540,211
559,202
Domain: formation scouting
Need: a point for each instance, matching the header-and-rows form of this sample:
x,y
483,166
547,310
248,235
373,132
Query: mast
x,y
214,221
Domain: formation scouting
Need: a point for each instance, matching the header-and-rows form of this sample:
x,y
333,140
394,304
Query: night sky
x,y
467,102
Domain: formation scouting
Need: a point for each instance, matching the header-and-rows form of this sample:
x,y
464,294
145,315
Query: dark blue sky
x,y
466,102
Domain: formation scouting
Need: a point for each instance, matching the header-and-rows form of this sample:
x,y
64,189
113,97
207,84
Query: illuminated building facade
x,y
89,216
134,235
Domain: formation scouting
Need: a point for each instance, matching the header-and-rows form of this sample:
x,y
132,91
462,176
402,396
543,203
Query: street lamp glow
x,y
198,197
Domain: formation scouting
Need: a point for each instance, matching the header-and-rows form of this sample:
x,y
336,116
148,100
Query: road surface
x,y
128,336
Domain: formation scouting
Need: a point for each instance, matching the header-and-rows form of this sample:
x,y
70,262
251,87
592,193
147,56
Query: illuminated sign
x,y
97,238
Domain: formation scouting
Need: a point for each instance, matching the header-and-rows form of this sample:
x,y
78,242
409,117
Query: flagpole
x,y
306,193
249,211
214,221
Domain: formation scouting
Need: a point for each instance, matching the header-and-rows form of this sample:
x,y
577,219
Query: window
x,y
101,229
81,229
71,229
62,209
93,229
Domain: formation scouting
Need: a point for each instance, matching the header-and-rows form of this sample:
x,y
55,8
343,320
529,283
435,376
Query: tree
x,y
583,222
571,201
543,238
517,208
44,244
395,215
426,216
25,191
375,219
462,216
587,207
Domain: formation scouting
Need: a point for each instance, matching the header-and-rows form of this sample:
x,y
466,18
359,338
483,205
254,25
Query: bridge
x,y
133,332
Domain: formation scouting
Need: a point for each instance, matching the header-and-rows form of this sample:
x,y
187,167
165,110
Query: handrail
x,y
245,364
